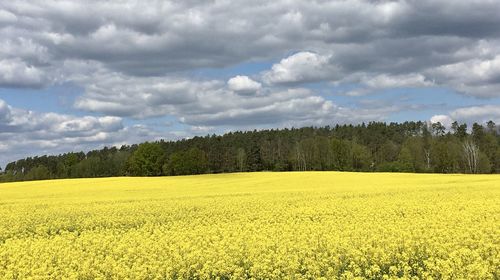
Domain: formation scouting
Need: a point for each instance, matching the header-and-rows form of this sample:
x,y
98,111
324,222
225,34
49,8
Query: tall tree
x,y
492,127
241,158
147,160
192,161
471,155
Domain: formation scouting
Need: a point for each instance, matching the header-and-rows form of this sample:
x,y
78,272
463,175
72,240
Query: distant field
x,y
298,225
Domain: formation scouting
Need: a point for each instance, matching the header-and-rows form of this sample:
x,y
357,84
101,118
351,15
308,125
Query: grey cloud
x,y
212,103
473,19
162,37
276,113
366,38
473,77
5,114
403,55
312,110
154,38
138,97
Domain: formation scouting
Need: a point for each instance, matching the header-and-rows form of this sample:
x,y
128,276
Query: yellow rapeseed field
x,y
298,225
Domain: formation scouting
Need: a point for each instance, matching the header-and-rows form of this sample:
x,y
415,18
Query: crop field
x,y
297,225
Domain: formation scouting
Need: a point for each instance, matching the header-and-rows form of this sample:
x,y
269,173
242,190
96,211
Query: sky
x,y
80,75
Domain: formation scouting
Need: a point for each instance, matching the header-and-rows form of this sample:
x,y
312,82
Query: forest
x,y
419,147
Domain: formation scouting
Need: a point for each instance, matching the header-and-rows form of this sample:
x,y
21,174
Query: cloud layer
x,y
346,38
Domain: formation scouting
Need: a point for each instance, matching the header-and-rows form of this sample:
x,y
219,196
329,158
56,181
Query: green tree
x,y
88,168
496,162
147,160
438,129
412,155
361,157
459,130
254,159
240,159
484,165
38,173
405,160
192,161
492,127
446,156
341,153
489,146
477,133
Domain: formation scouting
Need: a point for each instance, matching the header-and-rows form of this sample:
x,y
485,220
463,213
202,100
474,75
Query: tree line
x,y
376,146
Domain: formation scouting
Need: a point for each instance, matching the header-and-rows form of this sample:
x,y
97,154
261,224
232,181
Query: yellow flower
x,y
297,225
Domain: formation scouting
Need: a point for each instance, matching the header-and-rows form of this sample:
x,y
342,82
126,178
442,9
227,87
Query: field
x,y
298,225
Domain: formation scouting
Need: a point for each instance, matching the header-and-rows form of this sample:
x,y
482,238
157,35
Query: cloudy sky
x,y
77,75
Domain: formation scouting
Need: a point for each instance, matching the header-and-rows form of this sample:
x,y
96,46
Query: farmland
x,y
295,225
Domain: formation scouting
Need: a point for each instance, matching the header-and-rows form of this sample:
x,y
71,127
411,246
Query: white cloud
x,y
474,77
7,17
24,49
53,126
443,119
243,85
14,72
301,67
480,114
370,84
396,81
201,103
292,107
5,115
